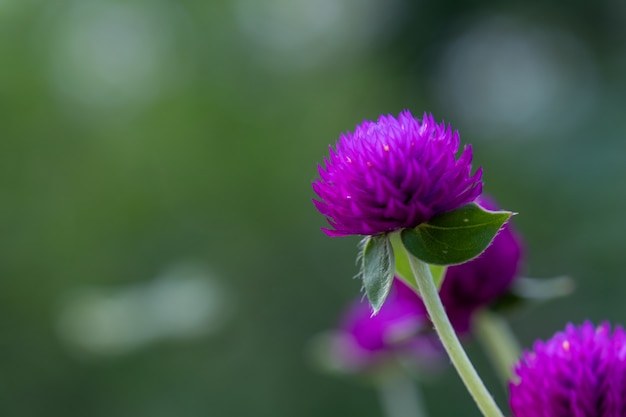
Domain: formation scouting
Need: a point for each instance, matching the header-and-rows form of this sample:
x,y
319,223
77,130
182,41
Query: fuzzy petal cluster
x,y
400,327
479,282
394,173
580,372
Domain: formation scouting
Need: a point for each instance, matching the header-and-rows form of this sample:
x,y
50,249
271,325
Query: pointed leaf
x,y
543,288
456,236
401,257
378,269
438,272
403,268
532,290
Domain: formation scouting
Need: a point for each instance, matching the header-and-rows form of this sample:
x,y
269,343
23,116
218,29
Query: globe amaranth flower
x,y
394,173
401,327
580,372
479,282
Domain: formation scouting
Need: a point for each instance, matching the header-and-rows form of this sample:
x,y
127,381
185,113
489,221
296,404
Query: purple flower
x,y
580,372
394,174
401,327
402,324
477,283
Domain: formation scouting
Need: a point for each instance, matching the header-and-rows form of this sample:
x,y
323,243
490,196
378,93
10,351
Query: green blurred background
x,y
159,253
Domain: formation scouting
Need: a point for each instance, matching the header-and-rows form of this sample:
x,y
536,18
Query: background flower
x,y
477,283
401,327
578,372
393,174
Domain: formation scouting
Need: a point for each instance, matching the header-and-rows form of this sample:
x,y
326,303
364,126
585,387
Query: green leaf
x,y
456,236
403,268
378,269
438,272
531,290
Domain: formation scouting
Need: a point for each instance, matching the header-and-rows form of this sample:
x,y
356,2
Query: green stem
x,y
399,397
498,341
450,341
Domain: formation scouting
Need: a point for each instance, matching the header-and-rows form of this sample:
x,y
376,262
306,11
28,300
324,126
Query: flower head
x,y
400,327
578,372
477,283
393,174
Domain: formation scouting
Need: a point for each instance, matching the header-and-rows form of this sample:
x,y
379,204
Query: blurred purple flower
x,y
393,174
401,327
578,372
479,282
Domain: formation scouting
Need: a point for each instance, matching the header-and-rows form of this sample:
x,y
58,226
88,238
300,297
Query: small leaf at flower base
x,y
378,269
403,268
401,257
456,236
438,272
